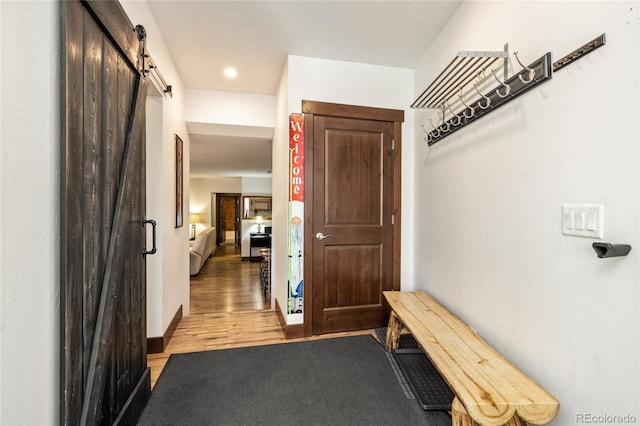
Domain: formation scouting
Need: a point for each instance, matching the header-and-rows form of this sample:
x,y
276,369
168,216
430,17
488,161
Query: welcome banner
x,y
296,219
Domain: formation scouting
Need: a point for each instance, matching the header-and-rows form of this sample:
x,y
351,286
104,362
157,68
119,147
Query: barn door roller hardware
x,y
148,65
470,86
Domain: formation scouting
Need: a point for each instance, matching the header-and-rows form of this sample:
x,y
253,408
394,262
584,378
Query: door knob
x,y
320,236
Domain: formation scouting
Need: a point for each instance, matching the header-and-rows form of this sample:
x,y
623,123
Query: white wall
x,y
29,218
354,84
256,185
280,195
237,109
171,262
155,195
488,200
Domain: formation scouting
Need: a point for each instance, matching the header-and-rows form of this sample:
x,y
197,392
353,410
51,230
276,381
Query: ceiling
x,y
255,37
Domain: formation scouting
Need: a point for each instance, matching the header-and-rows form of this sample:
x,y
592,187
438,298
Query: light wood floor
x,y
227,284
226,312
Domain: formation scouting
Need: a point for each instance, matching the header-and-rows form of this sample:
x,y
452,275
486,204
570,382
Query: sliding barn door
x,y
104,375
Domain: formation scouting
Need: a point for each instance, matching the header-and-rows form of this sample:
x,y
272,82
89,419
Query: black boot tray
x,y
430,389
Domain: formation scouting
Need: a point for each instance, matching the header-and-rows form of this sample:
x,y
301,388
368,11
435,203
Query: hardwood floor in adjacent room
x,y
227,284
227,311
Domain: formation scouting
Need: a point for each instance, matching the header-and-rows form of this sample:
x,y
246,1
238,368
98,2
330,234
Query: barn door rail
x,y
474,84
148,65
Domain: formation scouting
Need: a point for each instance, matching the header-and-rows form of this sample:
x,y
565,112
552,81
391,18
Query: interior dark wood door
x,y
353,204
104,376
228,217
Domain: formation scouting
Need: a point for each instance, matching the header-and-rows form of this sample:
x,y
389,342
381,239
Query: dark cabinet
x,y
258,241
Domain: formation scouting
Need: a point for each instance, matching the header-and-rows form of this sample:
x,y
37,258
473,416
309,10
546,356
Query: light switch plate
x,y
583,220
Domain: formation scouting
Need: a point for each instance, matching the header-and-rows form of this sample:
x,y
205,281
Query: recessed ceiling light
x,y
230,72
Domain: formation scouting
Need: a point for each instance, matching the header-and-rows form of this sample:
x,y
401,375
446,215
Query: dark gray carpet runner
x,y
343,381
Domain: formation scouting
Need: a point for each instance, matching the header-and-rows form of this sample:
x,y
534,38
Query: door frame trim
x,y
310,109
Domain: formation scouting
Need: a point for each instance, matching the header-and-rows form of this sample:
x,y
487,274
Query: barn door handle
x,y
320,236
153,234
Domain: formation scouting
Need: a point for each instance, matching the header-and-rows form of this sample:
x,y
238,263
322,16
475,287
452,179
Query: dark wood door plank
x,y
71,295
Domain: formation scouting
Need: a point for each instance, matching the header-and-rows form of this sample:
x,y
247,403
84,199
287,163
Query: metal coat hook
x,y
428,137
487,101
458,118
507,88
531,71
473,111
435,128
441,115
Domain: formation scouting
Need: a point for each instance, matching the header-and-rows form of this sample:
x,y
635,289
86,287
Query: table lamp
x,y
193,219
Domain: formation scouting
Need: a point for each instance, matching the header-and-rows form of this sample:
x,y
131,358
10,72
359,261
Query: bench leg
x,y
460,417
393,332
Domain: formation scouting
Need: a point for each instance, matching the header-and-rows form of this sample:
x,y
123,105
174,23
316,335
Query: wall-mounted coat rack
x,y
462,86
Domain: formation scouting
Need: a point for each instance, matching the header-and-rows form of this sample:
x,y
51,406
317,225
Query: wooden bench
x,y
489,389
